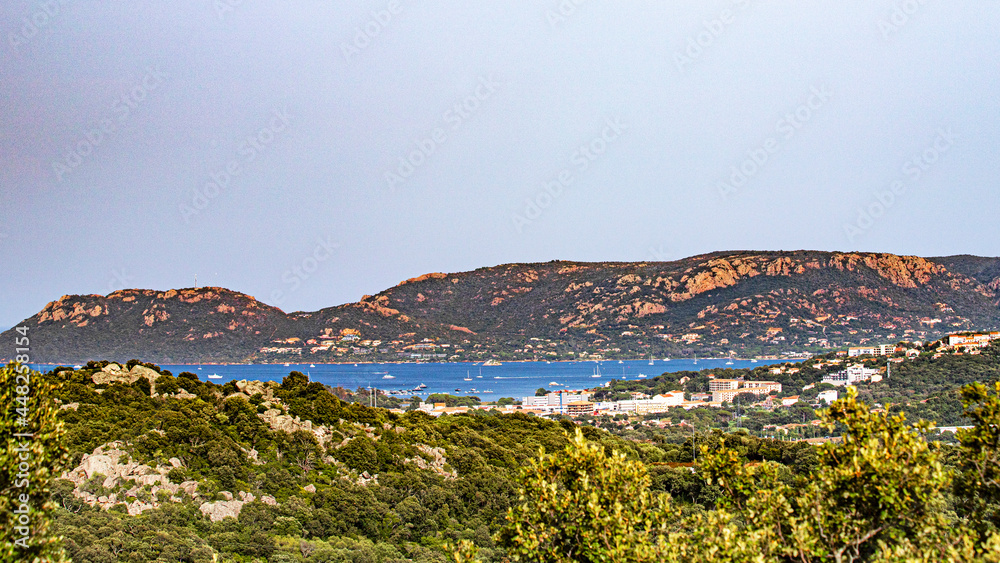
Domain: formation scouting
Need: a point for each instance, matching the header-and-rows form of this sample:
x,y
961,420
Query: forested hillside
x,y
165,468
740,303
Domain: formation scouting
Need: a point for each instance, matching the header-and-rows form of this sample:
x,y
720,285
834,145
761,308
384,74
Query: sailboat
x,y
730,362
650,359
597,371
467,376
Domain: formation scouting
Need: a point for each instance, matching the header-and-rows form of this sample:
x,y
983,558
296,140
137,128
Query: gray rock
x,y
221,509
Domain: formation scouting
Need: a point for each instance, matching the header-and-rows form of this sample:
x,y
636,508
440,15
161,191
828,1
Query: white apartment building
x,y
828,396
755,387
880,350
557,399
972,340
723,384
852,375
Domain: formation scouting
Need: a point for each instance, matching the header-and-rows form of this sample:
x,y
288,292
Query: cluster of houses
x,y
579,403
972,340
721,391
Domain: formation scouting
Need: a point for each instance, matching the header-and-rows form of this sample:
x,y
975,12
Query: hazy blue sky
x,y
309,152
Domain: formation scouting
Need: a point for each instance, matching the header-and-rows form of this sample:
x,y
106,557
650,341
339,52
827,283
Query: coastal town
x,y
850,365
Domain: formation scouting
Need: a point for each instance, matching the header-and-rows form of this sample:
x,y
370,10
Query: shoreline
x,y
470,362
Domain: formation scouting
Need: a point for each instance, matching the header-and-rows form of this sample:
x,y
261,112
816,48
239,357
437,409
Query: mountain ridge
x,y
726,302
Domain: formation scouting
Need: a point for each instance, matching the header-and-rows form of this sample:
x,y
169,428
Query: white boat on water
x,y
387,376
314,365
286,365
81,367
552,384
642,376
215,376
754,361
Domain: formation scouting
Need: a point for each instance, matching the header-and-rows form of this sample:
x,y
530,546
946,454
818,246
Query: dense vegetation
x,y
411,513
382,486
882,494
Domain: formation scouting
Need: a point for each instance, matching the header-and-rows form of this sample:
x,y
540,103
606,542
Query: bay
x,y
489,383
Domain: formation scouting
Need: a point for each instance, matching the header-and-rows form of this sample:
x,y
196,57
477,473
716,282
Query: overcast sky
x,y
310,152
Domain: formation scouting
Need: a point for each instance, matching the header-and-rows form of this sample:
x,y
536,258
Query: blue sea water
x,y
489,383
